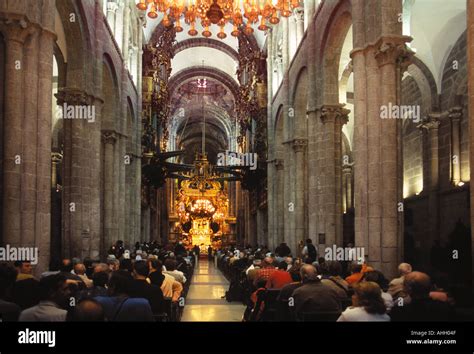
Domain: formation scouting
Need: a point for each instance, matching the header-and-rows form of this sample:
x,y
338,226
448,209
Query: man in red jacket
x,y
279,278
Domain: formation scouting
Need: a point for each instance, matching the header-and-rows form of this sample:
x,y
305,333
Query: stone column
x,y
15,34
298,13
299,147
314,84
360,149
392,56
109,139
470,55
292,37
271,184
118,30
333,118
347,180
379,57
73,170
455,114
126,35
27,132
309,9
111,12
431,125
279,202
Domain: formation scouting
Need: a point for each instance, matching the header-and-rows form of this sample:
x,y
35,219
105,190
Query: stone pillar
x,y
378,62
431,125
279,201
15,34
470,55
271,184
74,173
333,118
455,114
347,180
298,13
299,147
109,139
360,149
118,31
309,8
292,37
111,12
314,84
392,56
27,132
126,35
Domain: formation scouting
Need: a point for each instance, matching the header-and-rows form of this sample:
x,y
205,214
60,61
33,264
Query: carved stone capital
x,y
455,113
109,136
334,114
73,96
347,169
112,6
393,50
56,157
298,14
432,121
16,29
299,144
279,164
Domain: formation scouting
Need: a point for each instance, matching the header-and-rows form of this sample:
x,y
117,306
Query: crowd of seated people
x,y
146,284
277,286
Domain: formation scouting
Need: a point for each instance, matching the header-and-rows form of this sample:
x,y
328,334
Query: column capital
x,y
334,113
109,136
347,168
455,113
432,121
56,157
16,29
393,50
279,165
298,14
73,96
299,144
112,6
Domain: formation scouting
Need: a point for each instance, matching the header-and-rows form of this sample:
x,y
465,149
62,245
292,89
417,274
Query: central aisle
x,y
204,302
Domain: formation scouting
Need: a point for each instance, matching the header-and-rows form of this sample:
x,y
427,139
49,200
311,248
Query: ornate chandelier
x,y
202,208
219,12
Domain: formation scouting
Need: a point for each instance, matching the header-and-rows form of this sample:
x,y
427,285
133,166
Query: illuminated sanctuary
x,y
342,122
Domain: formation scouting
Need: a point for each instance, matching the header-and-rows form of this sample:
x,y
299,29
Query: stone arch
x,y
452,79
205,42
110,88
333,40
300,104
78,62
203,71
426,82
279,134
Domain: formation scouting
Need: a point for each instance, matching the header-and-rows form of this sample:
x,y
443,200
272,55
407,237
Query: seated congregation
x,y
278,287
149,284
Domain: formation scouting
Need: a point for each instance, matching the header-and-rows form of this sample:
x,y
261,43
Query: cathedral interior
x,y
345,122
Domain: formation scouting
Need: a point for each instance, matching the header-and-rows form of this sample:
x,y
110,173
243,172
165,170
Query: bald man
x,y
396,288
87,310
313,296
421,307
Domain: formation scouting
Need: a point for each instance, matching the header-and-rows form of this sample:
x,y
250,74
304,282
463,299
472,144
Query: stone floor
x,y
204,302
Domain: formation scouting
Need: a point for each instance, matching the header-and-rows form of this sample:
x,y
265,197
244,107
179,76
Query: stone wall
x,y
26,213
412,141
